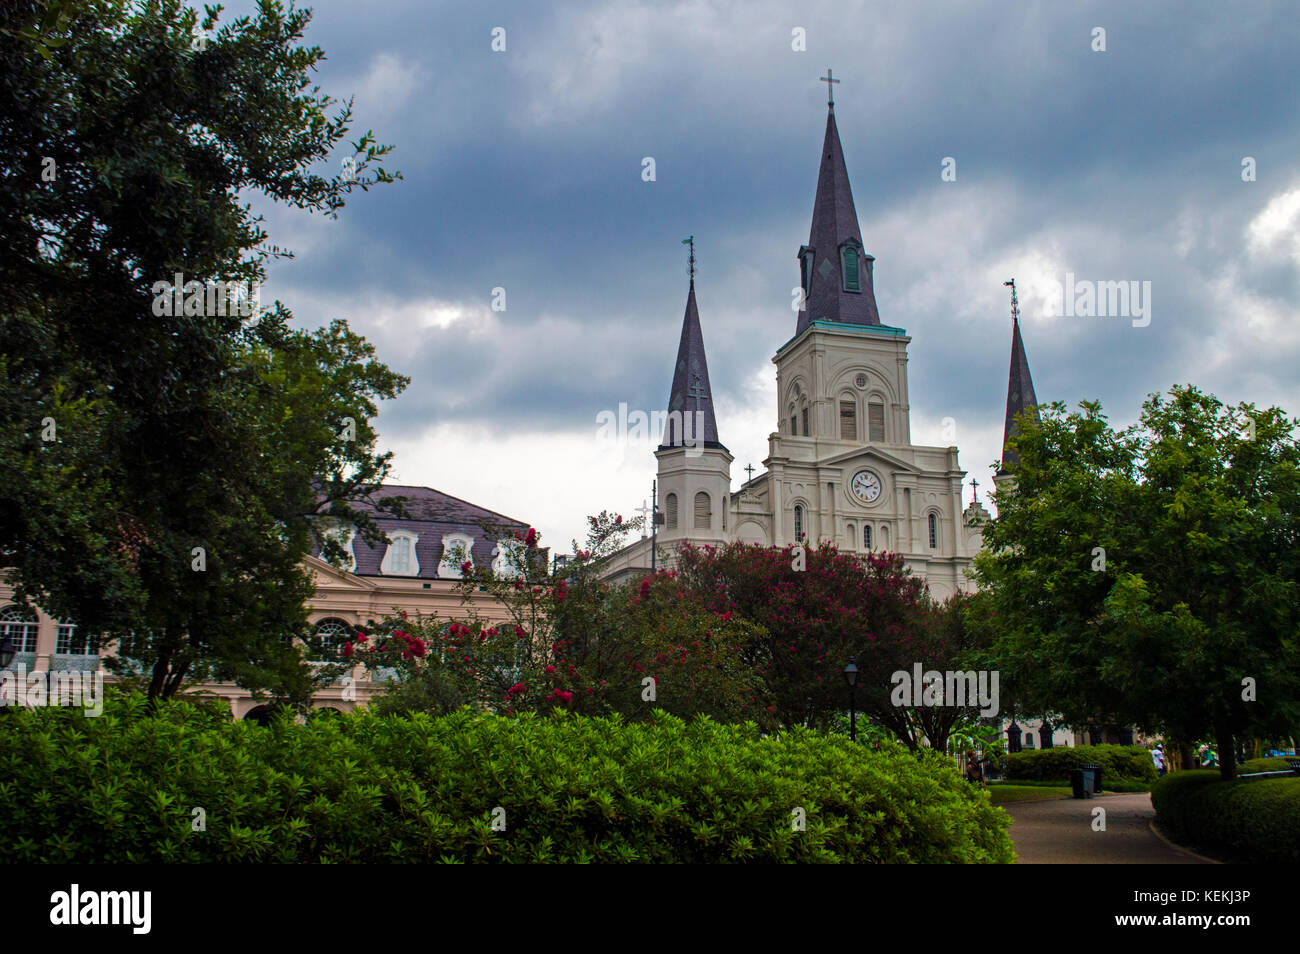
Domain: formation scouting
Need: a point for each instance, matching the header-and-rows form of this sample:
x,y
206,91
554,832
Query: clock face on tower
x,y
866,486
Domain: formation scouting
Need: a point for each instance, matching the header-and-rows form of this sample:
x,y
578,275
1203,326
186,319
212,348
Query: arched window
x,y
794,426
934,531
851,280
399,557
457,549
670,511
806,431
21,627
853,535
876,422
848,420
70,643
332,633
798,522
703,511
866,537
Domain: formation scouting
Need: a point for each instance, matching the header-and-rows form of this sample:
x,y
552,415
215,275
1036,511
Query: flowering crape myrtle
x,y
570,641
842,604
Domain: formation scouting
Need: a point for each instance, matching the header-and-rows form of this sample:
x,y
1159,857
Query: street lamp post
x,y
851,677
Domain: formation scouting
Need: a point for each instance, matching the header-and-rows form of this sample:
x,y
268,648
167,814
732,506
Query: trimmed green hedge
x,y
1265,764
1248,821
367,788
1127,763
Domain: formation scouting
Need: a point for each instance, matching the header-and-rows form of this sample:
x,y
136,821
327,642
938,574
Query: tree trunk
x,y
1227,754
174,680
158,680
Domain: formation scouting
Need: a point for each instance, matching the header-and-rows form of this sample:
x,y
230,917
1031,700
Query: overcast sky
x,y
523,171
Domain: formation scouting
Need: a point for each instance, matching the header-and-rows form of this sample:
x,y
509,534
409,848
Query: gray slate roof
x,y
1020,394
432,515
834,222
691,378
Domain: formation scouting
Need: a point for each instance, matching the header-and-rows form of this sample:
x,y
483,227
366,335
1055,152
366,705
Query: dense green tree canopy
x,y
162,459
1152,575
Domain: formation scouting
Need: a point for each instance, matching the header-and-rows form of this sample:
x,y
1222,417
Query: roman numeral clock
x,y
866,486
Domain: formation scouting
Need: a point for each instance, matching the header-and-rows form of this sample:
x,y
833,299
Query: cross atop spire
x,y
828,79
691,261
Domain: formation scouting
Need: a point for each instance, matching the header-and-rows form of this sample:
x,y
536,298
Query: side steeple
x,y
691,419
1020,386
835,271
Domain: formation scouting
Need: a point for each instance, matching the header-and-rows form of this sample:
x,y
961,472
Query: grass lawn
x,y
1004,792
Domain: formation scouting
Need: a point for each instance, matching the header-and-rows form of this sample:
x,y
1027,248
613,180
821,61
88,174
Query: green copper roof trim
x,y
888,330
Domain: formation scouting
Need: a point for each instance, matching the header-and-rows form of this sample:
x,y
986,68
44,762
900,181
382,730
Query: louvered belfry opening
x,y
876,422
848,420
703,511
670,512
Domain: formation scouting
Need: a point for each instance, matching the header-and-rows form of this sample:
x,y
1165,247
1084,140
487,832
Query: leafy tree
x,y
819,607
1151,576
140,430
572,642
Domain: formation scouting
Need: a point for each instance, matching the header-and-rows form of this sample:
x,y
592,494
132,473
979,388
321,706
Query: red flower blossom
x,y
530,538
466,568
347,650
519,631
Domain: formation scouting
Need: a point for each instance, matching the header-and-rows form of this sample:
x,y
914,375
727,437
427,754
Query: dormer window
x,y
852,282
344,537
399,558
457,548
505,560
806,263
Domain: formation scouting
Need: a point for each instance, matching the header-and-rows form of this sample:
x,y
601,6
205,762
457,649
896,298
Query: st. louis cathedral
x,y
841,465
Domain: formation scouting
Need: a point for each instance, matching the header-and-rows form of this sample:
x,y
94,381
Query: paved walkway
x,y
1060,832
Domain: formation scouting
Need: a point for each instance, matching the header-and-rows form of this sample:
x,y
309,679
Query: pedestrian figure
x,y
974,770
1158,756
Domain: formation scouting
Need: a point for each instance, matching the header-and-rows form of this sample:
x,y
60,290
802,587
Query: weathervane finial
x,y
1015,302
691,261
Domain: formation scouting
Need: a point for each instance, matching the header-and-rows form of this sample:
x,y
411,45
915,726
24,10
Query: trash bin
x,y
1076,783
1096,777
1088,780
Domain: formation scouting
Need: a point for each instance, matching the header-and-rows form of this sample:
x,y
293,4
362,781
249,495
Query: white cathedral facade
x,y
841,465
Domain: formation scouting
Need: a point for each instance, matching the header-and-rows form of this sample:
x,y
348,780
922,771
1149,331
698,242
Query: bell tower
x,y
694,469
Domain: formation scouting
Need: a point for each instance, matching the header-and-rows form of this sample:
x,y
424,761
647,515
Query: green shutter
x,y
851,270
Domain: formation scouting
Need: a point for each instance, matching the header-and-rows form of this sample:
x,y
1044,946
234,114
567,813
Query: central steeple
x,y
835,271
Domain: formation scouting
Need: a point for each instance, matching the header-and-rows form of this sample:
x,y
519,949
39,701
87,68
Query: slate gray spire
x,y
691,392
1020,386
834,229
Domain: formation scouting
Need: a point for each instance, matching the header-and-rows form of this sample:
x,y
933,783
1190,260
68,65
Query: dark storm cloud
x,y
523,171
